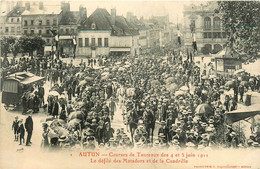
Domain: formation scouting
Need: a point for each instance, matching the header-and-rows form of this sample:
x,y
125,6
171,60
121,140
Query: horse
x,y
132,122
149,122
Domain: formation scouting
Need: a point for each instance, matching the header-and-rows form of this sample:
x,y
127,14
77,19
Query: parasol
x,y
155,83
121,69
170,80
239,71
73,123
204,109
88,78
76,115
127,66
83,82
60,131
178,93
57,122
204,77
244,83
54,93
105,74
229,84
171,87
184,88
212,77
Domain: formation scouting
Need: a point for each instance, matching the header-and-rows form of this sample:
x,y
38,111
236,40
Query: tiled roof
x,y
70,18
16,12
102,19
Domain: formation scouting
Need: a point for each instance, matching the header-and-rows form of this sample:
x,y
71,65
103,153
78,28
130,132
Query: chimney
x,y
19,4
27,6
82,13
129,16
65,7
41,6
113,16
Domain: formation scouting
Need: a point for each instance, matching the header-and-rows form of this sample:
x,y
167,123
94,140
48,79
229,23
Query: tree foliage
x,y
28,44
6,44
241,20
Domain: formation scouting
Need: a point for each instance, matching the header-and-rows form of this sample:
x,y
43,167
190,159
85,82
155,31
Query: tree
x,y
6,43
29,44
241,20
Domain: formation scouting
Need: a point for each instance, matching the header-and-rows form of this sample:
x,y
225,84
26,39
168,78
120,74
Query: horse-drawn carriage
x,y
14,85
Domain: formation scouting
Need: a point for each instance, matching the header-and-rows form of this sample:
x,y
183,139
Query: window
x,y
40,32
86,42
18,29
106,42
93,42
54,22
205,35
12,29
216,23
47,32
217,35
99,42
207,23
32,32
6,29
67,31
32,22
25,23
18,19
209,35
40,22
61,31
47,22
72,31
25,32
224,35
93,26
80,42
12,19
48,40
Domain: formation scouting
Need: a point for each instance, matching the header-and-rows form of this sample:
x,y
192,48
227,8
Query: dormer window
x,y
93,26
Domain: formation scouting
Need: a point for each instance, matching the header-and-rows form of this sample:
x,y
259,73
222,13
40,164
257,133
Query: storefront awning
x,y
65,37
48,48
120,49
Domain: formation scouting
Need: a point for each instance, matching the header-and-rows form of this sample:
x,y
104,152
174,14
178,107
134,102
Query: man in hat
x,y
20,131
164,130
15,128
29,128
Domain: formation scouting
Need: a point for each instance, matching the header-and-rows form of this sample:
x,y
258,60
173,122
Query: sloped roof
x,y
70,18
102,19
16,12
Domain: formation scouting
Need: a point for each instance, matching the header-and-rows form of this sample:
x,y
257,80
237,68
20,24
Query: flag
x,y
57,37
190,56
179,35
194,43
74,41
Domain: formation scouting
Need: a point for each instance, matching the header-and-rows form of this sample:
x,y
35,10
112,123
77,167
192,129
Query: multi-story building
x,y
205,23
106,34
68,27
38,19
11,22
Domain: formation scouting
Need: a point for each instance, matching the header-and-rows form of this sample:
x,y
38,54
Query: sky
x,y
138,8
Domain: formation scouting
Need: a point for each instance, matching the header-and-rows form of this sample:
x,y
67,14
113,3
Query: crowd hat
x,y
175,142
163,123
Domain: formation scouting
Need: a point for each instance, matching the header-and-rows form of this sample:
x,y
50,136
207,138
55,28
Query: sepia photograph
x,y
129,84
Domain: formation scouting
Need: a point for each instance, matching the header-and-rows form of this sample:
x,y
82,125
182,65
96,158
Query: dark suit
x,y
29,129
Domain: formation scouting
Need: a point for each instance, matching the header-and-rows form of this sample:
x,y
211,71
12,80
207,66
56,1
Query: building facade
x,y
40,20
11,23
205,22
103,33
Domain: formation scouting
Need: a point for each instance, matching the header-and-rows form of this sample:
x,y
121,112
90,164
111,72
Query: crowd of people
x,y
168,91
